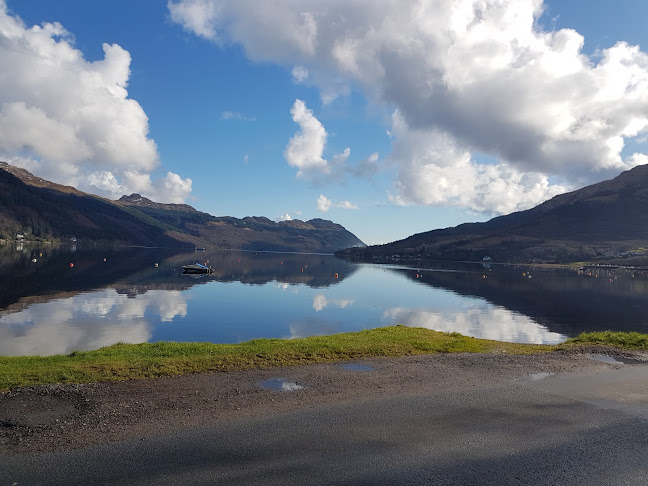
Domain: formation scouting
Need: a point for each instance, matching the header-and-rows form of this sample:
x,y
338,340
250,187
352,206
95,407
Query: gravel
x,y
59,417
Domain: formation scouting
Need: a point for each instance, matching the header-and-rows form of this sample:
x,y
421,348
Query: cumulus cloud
x,y
324,204
285,217
433,169
68,119
305,149
475,76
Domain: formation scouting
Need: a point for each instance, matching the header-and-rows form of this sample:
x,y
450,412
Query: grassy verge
x,y
139,361
627,340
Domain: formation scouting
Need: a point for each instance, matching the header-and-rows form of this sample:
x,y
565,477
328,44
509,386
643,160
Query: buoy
x,y
71,265
302,269
156,265
336,275
104,259
33,260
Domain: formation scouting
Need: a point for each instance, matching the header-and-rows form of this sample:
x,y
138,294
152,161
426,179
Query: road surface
x,y
492,421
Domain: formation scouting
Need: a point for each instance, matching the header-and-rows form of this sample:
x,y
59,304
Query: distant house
x,y
487,259
19,236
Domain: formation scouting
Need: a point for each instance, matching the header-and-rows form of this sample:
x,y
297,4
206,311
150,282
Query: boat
x,y
199,249
196,268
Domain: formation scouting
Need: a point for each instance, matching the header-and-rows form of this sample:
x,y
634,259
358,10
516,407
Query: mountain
x,y
607,220
42,210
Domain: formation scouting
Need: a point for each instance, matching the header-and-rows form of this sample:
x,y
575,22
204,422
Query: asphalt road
x,y
585,429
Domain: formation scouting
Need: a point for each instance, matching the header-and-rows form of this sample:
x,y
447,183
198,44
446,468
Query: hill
x,y
607,220
38,209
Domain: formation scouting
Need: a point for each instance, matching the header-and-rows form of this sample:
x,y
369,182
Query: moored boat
x,y
196,268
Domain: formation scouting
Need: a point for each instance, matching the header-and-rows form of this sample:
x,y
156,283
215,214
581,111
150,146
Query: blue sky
x,y
241,109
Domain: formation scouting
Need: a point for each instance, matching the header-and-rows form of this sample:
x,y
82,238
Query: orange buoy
x,y
71,265
336,275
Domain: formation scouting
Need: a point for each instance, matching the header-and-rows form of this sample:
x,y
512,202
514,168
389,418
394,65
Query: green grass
x,y
627,340
150,360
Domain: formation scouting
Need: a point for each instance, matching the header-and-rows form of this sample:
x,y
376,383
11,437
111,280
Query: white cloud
x,y
435,170
299,74
234,115
306,148
68,119
324,204
476,76
346,205
285,217
174,187
196,16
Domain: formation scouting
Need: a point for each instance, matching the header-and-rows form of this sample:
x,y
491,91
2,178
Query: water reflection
x,y
52,274
87,321
565,301
312,326
139,295
320,302
482,321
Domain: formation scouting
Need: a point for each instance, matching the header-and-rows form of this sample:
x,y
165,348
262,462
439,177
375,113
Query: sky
x,y
390,117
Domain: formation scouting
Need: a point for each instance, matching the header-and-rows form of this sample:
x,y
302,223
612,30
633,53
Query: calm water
x,y
48,307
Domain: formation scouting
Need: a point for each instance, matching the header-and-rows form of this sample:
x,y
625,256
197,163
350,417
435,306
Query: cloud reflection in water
x,y
320,302
480,321
86,321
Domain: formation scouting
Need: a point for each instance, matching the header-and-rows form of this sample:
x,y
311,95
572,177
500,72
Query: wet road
x,y
589,429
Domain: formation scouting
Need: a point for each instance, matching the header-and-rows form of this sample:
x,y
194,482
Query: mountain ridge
x,y
39,209
604,220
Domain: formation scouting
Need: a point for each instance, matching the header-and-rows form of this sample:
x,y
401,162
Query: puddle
x,y
356,367
536,376
280,384
611,360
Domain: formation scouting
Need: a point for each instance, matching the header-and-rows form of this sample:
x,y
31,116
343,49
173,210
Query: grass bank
x,y
150,360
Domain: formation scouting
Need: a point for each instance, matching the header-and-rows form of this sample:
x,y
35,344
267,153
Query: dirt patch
x,y
58,417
